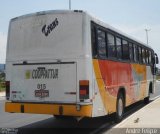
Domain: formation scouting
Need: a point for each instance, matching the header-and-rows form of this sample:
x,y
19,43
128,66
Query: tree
x,y
2,76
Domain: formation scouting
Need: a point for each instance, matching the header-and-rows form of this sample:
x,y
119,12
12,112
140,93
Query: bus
x,y
71,64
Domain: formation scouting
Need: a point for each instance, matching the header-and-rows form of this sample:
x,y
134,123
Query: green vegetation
x,y
158,77
2,87
2,81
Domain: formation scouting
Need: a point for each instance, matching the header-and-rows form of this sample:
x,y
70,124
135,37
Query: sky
x,y
130,16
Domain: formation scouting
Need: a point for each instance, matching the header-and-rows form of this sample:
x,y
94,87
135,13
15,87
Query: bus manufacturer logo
x,y
46,30
28,74
42,73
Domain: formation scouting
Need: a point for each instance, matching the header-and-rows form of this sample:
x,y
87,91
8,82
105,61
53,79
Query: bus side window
x,y
101,44
143,55
147,57
137,50
131,54
125,50
93,39
111,46
119,48
150,57
140,54
135,53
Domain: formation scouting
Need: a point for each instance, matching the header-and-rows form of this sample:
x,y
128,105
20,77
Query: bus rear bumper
x,y
52,109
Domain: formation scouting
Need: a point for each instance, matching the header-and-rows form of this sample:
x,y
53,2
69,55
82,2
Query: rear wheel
x,y
119,108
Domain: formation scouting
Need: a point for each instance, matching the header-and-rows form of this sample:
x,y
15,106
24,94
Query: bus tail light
x,y
7,90
83,89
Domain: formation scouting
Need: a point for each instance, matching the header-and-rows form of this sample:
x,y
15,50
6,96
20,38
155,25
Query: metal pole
x,y
69,4
147,30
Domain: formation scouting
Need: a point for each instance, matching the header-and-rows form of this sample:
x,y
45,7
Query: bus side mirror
x,y
156,59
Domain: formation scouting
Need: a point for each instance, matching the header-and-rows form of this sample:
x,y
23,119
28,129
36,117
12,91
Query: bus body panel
x,y
55,82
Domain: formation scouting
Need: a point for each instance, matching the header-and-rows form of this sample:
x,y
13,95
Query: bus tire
x,y
119,108
146,100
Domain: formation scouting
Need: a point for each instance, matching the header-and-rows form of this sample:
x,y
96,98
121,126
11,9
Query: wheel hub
x,y
120,107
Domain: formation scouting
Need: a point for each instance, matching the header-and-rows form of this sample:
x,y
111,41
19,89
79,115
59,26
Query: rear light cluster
x,y
7,90
83,89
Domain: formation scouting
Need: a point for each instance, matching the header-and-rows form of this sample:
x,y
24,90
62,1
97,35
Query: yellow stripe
x,y
97,69
141,71
108,100
53,109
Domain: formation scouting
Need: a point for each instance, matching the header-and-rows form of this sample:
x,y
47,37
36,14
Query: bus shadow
x,y
85,126
57,126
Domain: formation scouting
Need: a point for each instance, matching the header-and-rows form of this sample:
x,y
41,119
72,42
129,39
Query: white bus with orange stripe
x,y
68,63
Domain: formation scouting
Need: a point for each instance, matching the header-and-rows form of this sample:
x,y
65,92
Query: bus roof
x,y
47,12
105,25
93,18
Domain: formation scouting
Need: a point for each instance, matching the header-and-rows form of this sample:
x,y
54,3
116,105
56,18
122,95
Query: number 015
x,y
41,86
